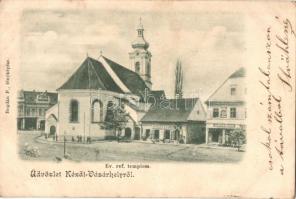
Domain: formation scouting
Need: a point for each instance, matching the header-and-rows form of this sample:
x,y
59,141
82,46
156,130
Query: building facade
x,y
227,109
32,106
175,121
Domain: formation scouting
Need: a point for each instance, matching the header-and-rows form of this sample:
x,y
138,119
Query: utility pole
x,y
84,127
64,143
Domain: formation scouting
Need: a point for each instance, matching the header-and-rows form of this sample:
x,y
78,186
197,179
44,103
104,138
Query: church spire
x,y
140,29
140,41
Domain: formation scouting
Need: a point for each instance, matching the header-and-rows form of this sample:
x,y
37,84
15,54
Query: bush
x,y
31,151
67,156
237,138
110,137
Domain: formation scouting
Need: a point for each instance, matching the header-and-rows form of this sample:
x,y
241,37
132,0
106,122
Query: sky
x,y
55,42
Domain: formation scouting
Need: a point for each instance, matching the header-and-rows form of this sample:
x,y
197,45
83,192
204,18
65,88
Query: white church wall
x,y
50,120
74,128
85,126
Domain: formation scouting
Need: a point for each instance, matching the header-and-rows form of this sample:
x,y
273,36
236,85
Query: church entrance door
x,y
128,133
52,131
137,133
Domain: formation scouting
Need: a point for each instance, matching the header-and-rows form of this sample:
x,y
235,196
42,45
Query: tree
x,y
178,80
237,137
116,118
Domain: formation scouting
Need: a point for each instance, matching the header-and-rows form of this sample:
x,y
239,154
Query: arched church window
x,y
97,111
137,67
74,111
148,68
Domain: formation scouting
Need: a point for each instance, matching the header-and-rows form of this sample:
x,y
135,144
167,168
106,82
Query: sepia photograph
x,y
138,99
106,87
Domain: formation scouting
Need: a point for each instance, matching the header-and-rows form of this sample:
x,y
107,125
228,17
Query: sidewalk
x,y
216,146
43,140
35,132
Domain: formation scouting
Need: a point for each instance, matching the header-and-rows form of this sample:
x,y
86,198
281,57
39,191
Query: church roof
x,y
241,72
95,74
130,78
140,42
91,75
171,110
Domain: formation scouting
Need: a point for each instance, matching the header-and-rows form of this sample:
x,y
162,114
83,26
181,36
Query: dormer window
x,y
233,90
42,98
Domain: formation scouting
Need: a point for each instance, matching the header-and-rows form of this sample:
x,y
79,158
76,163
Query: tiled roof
x,y
171,110
241,72
130,78
93,75
220,94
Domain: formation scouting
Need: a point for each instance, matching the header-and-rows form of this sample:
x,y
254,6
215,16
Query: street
x,y
123,151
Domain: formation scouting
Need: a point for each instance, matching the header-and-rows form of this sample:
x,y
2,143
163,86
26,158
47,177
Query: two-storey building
x,y
32,106
226,108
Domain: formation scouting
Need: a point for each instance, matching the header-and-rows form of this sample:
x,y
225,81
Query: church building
x,y
83,100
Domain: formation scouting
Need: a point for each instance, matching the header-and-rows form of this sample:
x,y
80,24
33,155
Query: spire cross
x,y
101,52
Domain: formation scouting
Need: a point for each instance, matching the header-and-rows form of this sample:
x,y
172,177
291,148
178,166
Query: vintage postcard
x,y
147,98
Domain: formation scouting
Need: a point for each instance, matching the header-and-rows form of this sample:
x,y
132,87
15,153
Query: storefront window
x,y
223,113
156,134
147,133
215,112
233,112
167,134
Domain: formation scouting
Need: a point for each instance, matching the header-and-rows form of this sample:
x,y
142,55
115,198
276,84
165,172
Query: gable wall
x,y
223,93
224,101
50,120
198,113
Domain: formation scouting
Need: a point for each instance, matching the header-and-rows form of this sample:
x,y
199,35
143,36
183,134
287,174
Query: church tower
x,y
140,57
